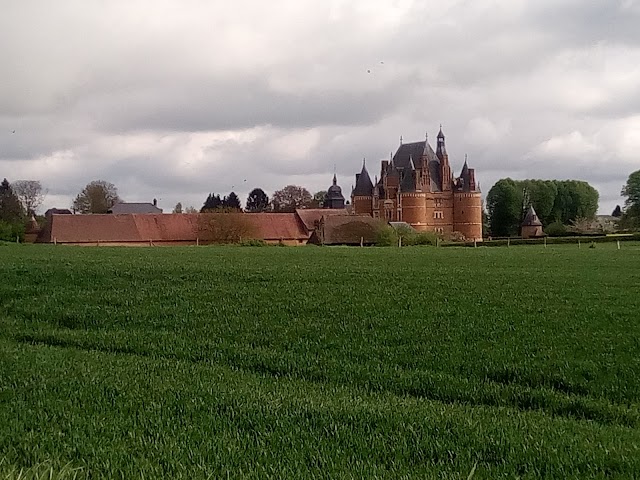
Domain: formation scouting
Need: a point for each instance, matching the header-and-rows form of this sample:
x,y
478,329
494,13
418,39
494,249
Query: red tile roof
x,y
126,228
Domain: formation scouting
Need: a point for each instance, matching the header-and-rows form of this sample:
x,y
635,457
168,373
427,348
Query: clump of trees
x,y
229,203
555,201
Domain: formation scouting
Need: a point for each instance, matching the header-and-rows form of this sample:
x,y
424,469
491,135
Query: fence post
x,y
362,241
618,241
509,242
545,242
578,243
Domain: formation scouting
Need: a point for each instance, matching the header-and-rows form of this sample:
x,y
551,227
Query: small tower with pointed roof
x,y
334,198
531,226
362,194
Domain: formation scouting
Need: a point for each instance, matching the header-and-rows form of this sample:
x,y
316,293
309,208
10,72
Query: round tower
x,y
467,214
414,210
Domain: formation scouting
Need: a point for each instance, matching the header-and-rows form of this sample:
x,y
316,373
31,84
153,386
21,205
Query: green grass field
x,y
421,362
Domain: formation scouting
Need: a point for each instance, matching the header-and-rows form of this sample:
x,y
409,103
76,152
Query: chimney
x,y
155,202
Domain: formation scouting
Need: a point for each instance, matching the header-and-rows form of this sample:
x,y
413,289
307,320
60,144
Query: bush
x,y
555,229
9,231
426,238
253,243
386,236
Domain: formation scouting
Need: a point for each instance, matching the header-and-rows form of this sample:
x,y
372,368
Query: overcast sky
x,y
175,99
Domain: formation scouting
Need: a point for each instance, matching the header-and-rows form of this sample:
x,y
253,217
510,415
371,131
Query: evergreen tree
x,y
257,201
10,207
232,202
213,202
617,212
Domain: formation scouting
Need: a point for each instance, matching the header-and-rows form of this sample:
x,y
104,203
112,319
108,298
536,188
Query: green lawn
x,y
421,362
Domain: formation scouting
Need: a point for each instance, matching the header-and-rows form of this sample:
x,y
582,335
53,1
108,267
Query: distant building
x,y
334,198
531,226
132,207
416,186
58,211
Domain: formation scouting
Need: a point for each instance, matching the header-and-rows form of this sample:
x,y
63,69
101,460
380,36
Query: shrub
x,y
386,236
555,229
10,231
426,238
253,243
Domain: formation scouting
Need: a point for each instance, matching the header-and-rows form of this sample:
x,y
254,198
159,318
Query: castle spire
x,y
441,151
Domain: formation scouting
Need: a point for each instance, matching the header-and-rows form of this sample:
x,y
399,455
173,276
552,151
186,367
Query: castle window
x,y
438,215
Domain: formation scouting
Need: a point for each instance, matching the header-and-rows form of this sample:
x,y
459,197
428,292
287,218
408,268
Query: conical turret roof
x,y
364,185
531,218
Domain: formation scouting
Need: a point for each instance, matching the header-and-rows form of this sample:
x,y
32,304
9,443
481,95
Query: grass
x,y
320,362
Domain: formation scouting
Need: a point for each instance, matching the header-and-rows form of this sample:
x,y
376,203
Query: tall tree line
x,y
562,201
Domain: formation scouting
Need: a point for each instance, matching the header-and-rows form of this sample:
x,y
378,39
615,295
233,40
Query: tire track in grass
x,y
436,386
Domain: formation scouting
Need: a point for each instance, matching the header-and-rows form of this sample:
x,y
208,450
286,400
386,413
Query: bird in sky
x,y
13,131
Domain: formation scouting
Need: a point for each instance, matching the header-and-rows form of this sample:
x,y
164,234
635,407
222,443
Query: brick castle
x,y
417,186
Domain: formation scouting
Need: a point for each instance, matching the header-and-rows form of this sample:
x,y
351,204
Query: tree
x,y
212,202
617,212
318,199
504,207
257,201
231,202
11,214
191,209
30,193
631,190
177,208
290,198
233,227
97,197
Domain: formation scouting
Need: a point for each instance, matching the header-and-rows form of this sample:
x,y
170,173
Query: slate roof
x,y
133,207
415,151
137,228
531,219
364,185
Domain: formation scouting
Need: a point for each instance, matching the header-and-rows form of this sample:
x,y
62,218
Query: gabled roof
x,y
136,228
133,207
347,230
531,218
310,217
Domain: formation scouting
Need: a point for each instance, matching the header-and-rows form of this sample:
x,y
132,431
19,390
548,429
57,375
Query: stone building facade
x,y
416,186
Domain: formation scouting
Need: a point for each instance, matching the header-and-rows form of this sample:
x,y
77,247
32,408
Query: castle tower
x,y
445,168
412,199
467,205
334,198
362,194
